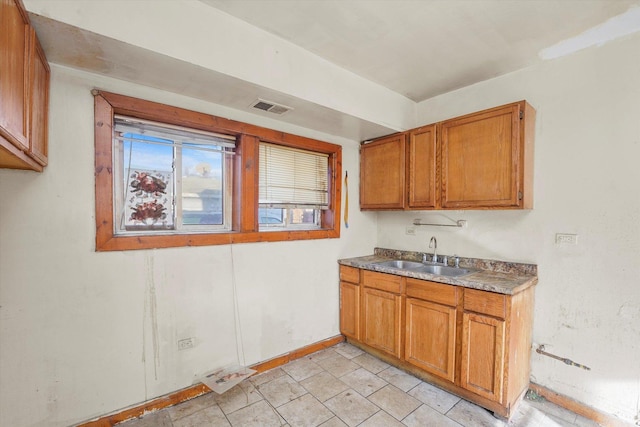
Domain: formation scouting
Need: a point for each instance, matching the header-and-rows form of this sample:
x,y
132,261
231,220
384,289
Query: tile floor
x,y
343,386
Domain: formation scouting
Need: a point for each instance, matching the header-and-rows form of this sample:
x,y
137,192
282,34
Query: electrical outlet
x,y
185,344
566,239
410,231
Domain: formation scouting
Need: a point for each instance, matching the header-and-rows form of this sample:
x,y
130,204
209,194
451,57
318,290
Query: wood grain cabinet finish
x,y
482,355
482,160
382,173
382,312
422,177
473,343
24,91
350,302
431,330
487,159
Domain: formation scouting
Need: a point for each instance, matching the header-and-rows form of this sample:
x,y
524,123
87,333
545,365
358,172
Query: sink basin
x,y
442,270
401,264
418,267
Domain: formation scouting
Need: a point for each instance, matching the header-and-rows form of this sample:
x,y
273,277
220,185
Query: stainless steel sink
x,y
443,270
418,267
401,264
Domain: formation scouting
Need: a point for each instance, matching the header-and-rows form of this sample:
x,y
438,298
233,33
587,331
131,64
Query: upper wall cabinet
x,y
487,159
399,171
482,160
24,91
382,173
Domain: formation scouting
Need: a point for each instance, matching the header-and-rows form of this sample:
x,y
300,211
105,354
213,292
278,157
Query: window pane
x,y
202,185
303,216
148,184
271,216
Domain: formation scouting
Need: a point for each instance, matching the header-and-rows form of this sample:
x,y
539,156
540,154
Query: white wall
x,y
587,182
85,333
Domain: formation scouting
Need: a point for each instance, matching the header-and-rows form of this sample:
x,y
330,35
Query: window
x,y
293,187
168,177
171,179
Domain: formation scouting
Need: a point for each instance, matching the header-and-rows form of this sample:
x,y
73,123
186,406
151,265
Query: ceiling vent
x,y
271,107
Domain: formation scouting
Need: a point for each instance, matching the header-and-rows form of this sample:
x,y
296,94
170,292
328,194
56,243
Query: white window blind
x,y
179,135
293,178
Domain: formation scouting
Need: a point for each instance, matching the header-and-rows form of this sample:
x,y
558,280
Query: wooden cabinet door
x,y
482,355
39,81
422,168
14,78
481,160
382,173
381,320
350,310
431,337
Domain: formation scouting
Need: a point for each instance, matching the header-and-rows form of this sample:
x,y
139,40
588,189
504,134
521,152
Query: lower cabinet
x,y
350,302
473,343
381,317
350,309
482,355
431,337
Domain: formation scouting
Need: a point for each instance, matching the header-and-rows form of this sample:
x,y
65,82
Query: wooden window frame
x,y
244,228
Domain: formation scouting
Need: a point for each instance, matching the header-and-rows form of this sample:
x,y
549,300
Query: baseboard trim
x,y
200,389
579,407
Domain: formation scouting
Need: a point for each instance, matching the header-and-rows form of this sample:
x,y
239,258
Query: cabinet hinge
x,y
521,114
519,195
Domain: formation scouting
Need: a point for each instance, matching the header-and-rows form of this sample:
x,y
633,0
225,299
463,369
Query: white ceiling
x,y
350,68
423,48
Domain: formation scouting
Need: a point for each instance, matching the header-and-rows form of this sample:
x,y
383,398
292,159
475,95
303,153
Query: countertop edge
x,y
485,280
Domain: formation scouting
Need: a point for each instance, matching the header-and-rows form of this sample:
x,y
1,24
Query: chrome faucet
x,y
433,243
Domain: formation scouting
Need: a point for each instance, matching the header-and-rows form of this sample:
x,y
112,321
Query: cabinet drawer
x,y
382,281
485,302
430,291
349,274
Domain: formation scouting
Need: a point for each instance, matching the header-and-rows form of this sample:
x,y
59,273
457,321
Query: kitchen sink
x,y
419,267
401,264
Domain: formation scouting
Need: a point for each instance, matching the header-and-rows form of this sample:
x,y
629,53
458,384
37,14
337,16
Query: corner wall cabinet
x,y
382,186
482,160
473,343
24,91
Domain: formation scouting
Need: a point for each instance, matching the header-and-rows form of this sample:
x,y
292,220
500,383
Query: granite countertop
x,y
494,276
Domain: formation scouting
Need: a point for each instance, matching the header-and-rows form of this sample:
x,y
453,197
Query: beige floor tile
x,y
302,368
363,381
281,390
322,354
351,407
585,422
338,365
259,414
552,409
370,363
324,386
394,401
381,419
154,419
398,378
427,416
267,376
440,400
244,394
190,406
347,350
210,417
334,422
305,411
470,415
